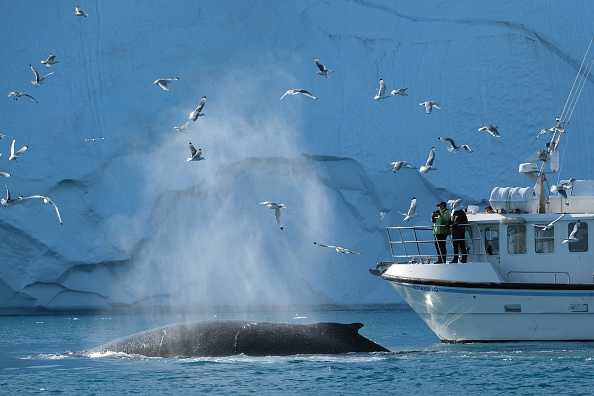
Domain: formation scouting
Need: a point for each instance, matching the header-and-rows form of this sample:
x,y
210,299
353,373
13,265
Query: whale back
x,y
227,338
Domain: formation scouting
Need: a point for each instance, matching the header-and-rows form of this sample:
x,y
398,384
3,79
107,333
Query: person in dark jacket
x,y
458,221
441,230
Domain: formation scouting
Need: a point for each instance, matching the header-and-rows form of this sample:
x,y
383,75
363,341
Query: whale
x,y
227,338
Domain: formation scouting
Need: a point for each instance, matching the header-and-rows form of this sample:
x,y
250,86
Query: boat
x,y
529,270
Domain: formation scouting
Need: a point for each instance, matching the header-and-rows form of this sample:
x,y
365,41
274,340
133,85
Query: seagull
x,y
323,71
429,105
94,139
429,165
550,225
196,154
51,60
46,200
454,203
164,81
400,91
411,211
197,113
79,12
400,164
298,91
19,94
545,131
338,248
38,81
562,188
381,91
13,155
1,136
277,211
454,148
182,128
8,200
571,238
492,129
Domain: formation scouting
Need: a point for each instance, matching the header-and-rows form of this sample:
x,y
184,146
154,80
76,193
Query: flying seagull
x,y
492,129
323,71
8,201
544,227
429,105
38,81
454,203
13,155
79,12
197,113
429,165
400,91
19,94
337,248
196,154
51,60
182,128
545,131
562,188
94,139
400,164
571,238
411,211
381,91
298,91
46,200
454,148
164,81
277,211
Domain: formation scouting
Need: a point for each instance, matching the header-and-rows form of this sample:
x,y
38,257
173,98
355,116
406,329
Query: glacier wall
x,y
143,227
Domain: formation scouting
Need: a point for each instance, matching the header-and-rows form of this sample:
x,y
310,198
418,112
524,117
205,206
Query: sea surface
x,y
39,355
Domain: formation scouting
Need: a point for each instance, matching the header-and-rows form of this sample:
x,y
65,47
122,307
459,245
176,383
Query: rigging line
x,y
585,79
575,94
576,77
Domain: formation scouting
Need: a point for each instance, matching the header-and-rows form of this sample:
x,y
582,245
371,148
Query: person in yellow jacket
x,y
441,230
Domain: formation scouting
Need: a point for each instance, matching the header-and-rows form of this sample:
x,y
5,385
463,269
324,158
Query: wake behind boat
x,y
529,270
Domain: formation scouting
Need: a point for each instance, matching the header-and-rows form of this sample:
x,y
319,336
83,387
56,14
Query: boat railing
x,y
417,244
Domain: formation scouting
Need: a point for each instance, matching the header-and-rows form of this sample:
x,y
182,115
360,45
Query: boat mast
x,y
558,130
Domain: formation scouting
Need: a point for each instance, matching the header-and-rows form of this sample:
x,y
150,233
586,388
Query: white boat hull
x,y
467,312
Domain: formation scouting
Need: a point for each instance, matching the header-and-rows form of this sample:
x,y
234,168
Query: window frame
x,y
544,241
583,240
515,241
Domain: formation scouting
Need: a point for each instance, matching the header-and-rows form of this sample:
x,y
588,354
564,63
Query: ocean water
x,y
38,356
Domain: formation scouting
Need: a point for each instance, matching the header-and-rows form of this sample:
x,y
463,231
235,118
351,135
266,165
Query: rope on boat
x,y
573,97
571,102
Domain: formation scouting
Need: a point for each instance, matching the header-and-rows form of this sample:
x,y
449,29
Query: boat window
x,y
492,240
544,240
582,235
516,239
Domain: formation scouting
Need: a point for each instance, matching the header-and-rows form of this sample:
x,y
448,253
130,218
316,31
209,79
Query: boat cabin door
x,y
490,238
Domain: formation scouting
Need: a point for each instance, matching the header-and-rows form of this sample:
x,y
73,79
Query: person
x,y
459,219
489,209
441,230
